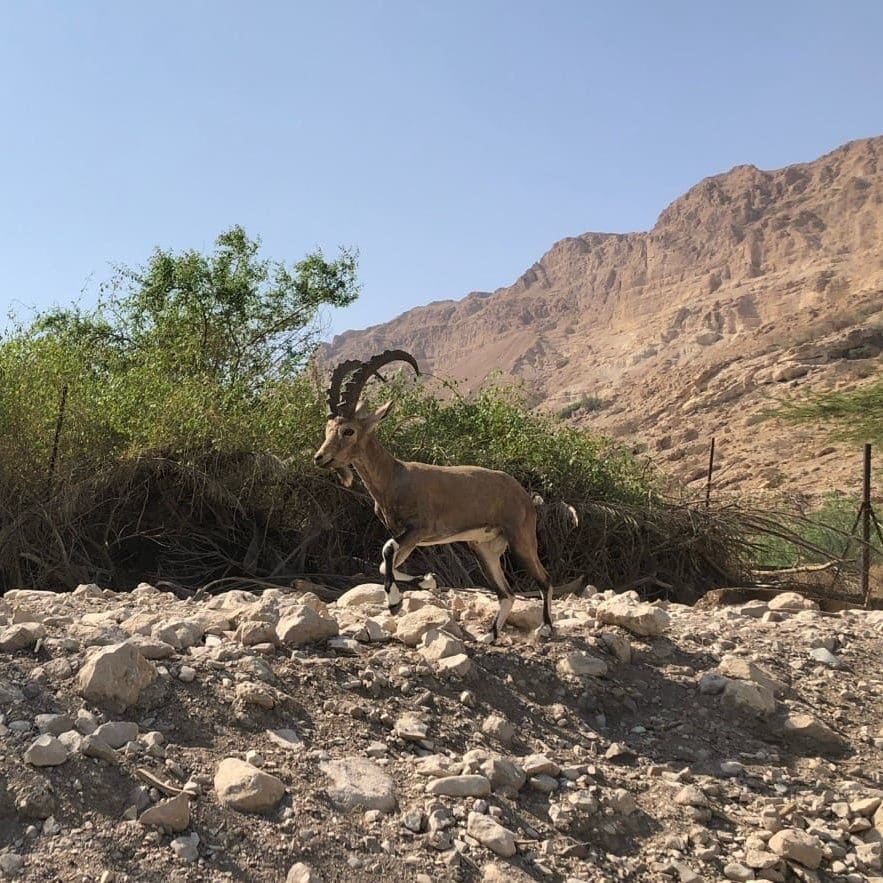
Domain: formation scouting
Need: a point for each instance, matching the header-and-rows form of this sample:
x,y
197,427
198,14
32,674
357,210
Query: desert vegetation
x,y
167,434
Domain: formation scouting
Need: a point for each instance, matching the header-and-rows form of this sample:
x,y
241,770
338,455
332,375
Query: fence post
x,y
710,470
866,526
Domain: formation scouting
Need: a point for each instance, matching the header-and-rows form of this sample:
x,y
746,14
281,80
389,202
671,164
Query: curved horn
x,y
337,378
356,383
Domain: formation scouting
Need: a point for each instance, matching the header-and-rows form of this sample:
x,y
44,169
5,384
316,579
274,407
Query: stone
x,y
11,863
490,833
825,657
580,664
10,694
809,732
151,648
460,786
21,636
251,693
622,802
53,724
639,618
357,782
251,632
186,848
742,669
115,676
364,595
797,846
618,646
286,738
457,666
412,727
691,795
180,633
117,733
305,626
170,815
539,765
527,616
436,645
498,727
302,873
748,698
92,746
504,775
244,787
791,601
46,750
411,627
735,871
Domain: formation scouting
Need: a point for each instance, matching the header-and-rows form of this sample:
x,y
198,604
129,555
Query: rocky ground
x,y
275,737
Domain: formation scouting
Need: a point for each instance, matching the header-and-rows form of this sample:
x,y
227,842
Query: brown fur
x,y
424,505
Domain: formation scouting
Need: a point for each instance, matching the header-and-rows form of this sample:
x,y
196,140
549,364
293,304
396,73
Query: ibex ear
x,y
379,414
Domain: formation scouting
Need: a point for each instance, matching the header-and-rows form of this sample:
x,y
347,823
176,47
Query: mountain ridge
x,y
692,318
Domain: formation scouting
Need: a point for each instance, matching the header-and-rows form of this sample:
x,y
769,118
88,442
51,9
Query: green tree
x,y
189,353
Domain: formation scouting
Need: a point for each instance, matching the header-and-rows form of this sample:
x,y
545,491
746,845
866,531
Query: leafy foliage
x,y
854,415
191,352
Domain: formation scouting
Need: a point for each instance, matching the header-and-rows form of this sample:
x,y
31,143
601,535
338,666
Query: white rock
x,y
302,873
357,782
115,676
460,786
492,834
797,846
748,698
242,786
411,627
457,666
46,750
364,595
117,733
435,645
21,635
638,618
185,848
580,664
791,601
305,626
170,815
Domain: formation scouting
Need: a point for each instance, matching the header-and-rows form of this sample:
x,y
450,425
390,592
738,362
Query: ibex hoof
x,y
544,632
395,609
429,582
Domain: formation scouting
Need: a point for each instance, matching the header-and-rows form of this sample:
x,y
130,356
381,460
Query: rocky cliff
x,y
754,285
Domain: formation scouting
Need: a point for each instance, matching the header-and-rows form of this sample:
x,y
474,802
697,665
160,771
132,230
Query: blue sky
x,y
451,143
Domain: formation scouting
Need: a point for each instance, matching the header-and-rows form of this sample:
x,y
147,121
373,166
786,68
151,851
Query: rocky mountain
x,y
752,286
275,736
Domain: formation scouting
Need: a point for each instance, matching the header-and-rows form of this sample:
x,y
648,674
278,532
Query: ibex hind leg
x,y
525,552
488,555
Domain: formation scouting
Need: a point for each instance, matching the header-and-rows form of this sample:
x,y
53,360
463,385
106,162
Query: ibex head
x,y
349,425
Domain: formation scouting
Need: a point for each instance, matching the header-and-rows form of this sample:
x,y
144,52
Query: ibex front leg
x,y
396,552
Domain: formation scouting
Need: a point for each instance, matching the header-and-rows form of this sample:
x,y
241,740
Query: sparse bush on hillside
x,y
853,415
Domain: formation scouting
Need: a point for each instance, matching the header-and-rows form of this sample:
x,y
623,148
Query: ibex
x,y
425,505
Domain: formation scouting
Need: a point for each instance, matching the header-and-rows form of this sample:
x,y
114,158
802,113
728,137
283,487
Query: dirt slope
x,y
752,285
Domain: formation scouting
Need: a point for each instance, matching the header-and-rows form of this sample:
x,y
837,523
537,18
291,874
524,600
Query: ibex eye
x,y
348,431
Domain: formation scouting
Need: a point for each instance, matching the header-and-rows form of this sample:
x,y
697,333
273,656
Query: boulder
x,y
115,676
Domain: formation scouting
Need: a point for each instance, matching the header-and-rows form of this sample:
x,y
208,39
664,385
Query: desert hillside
x,y
752,286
